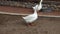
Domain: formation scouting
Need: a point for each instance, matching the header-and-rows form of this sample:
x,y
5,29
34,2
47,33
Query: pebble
x,y
48,9
26,4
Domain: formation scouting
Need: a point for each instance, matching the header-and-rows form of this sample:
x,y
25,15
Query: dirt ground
x,y
16,25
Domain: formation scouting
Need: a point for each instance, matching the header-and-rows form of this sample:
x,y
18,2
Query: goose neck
x,y
40,2
35,12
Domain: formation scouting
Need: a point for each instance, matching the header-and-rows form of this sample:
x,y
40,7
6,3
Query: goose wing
x,y
29,16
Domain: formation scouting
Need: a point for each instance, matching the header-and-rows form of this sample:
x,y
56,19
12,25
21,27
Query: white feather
x,y
32,17
39,6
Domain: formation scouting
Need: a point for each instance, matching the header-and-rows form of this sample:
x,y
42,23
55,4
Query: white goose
x,y
39,6
31,18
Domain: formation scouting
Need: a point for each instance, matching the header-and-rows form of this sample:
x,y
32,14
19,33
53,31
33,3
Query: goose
x,y
31,18
39,6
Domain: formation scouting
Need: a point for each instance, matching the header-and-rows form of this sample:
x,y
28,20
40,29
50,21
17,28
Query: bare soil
x,y
16,25
13,24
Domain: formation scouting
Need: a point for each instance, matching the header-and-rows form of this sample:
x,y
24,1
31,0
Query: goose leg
x,y
29,24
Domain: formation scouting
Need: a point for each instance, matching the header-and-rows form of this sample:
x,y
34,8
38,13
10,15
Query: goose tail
x,y
23,17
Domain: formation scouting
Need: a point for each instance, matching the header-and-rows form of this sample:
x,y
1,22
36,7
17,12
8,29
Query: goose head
x,y
41,1
35,7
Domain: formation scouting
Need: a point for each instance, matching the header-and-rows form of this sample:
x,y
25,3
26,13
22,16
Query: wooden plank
x,y
26,11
